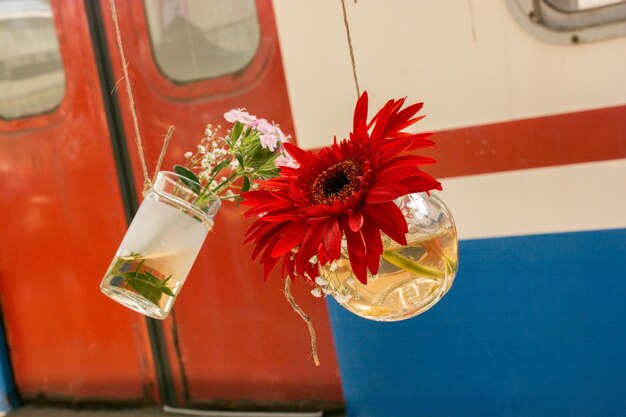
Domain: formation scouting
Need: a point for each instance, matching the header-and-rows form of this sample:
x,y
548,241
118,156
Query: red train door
x,y
70,176
61,215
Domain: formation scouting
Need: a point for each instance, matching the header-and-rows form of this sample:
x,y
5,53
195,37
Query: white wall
x,y
468,60
471,64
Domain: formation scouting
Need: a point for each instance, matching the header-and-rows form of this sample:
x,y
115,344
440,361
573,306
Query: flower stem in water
x,y
409,265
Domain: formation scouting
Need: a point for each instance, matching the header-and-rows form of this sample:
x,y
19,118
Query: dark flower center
x,y
336,183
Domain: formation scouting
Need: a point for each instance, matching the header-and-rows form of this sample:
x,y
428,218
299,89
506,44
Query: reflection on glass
x,y
31,72
200,39
581,5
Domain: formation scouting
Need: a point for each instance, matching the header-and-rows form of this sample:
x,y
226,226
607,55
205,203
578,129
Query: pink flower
x,y
285,160
265,127
269,141
271,135
281,136
239,115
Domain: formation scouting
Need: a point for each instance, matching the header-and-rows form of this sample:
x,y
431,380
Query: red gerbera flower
x,y
347,190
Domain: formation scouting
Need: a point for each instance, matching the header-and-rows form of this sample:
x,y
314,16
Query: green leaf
x,y
146,290
142,280
246,184
236,132
240,159
167,291
217,168
152,279
188,177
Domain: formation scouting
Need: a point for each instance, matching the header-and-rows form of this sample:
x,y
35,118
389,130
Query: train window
x,y
200,39
571,21
32,80
578,5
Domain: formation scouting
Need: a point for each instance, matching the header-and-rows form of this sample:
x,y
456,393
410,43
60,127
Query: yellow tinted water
x,y
410,280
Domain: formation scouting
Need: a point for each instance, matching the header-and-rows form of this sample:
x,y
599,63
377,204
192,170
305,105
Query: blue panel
x,y
8,397
533,326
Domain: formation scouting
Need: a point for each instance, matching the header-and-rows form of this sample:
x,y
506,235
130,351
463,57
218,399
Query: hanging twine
x,y
133,111
166,142
351,48
305,317
288,295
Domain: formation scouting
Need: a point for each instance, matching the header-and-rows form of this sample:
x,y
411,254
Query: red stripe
x,y
594,135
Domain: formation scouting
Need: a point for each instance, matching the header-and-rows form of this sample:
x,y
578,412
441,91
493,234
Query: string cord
x,y
131,99
166,142
305,317
351,48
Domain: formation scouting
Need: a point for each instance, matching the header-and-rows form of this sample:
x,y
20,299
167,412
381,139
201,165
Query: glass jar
x,y
160,246
411,279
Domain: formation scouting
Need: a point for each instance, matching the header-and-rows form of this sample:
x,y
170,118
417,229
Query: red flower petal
x,y
421,183
393,147
359,125
421,141
382,118
411,160
359,267
382,194
356,244
291,237
403,118
332,239
265,240
301,156
310,245
389,219
374,243
357,254
268,266
394,175
355,221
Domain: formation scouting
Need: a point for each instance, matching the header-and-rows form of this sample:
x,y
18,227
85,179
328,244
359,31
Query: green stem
x,y
232,197
216,173
226,183
410,265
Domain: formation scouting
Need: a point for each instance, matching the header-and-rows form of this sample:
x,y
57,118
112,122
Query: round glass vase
x,y
160,246
411,279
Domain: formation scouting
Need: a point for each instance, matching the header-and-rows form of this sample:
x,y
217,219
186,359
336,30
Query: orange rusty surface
x,y
61,220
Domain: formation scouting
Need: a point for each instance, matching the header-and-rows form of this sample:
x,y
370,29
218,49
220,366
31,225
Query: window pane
x,y
200,39
580,5
32,80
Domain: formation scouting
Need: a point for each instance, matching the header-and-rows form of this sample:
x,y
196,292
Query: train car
x,y
527,103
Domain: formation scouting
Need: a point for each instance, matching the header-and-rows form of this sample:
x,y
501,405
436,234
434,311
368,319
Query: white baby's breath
x,y
342,298
320,281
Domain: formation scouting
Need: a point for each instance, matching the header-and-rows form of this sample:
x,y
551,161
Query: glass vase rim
x,y
213,203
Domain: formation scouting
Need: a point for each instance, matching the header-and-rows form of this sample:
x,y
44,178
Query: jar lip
x,y
168,179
